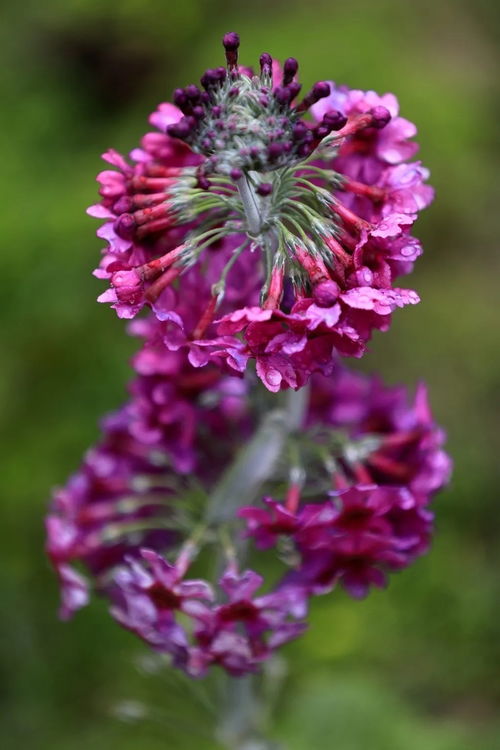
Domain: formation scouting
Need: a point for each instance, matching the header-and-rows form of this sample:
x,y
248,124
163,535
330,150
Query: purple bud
x,y
265,188
318,91
326,293
290,68
274,150
282,94
294,89
210,78
125,226
192,92
180,98
216,111
202,181
381,117
305,149
321,131
299,131
235,174
207,80
198,112
285,94
266,64
182,129
334,120
231,43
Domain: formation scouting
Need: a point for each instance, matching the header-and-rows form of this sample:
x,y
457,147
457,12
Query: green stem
x,y
250,205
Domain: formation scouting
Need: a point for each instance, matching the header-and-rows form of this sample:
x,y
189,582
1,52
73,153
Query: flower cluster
x,y
385,463
372,462
314,215
250,226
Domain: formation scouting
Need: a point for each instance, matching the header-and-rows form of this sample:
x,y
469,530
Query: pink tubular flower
x,y
364,154
237,635
354,539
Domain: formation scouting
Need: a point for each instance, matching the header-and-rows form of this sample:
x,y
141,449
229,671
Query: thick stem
x,y
251,206
241,483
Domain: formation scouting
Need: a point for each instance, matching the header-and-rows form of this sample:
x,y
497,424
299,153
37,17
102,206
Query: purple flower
x,y
243,232
246,629
147,596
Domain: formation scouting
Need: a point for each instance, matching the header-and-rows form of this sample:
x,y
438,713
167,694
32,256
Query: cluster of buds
x,y
252,227
242,122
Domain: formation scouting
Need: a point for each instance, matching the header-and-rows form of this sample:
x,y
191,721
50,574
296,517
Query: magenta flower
x,y
246,242
327,203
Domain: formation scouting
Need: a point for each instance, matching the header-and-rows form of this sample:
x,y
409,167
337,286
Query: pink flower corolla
x,y
238,185
147,595
245,630
289,346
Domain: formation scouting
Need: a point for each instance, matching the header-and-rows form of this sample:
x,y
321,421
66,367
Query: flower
x,y
245,630
146,597
237,187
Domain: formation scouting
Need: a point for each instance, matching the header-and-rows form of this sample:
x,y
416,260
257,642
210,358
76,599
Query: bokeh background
x,y
414,667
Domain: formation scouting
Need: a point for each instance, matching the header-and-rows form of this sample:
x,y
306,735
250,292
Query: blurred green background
x,y
415,667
